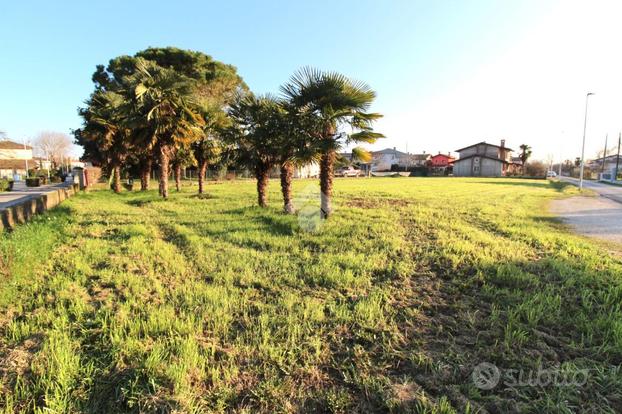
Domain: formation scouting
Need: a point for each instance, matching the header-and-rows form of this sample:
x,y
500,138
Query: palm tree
x,y
104,131
337,102
181,158
524,155
255,132
208,149
164,111
145,164
294,146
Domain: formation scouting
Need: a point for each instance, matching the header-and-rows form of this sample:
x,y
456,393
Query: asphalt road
x,y
612,192
599,217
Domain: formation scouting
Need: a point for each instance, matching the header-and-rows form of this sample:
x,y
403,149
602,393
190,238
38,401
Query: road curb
x,y
22,210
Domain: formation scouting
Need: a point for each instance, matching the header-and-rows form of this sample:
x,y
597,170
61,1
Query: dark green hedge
x,y
33,182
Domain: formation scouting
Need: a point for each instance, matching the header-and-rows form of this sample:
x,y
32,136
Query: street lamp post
x,y
583,147
604,154
615,178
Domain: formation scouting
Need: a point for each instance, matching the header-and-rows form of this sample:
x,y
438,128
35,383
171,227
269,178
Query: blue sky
x,y
437,66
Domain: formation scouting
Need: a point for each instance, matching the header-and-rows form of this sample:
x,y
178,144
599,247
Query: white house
x,y
609,162
383,160
13,159
311,170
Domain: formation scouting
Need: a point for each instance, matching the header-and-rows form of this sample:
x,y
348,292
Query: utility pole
x,y
604,154
583,147
618,158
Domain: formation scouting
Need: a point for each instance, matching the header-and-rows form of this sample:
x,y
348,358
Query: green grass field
x,y
127,303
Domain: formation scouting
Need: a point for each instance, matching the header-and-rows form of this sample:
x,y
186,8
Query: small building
x,y
419,160
383,160
13,159
606,164
484,160
441,163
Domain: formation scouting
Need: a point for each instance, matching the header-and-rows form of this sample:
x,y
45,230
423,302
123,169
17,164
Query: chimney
x,y
502,143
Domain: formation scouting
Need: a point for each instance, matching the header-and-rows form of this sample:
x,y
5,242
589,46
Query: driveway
x,y
599,217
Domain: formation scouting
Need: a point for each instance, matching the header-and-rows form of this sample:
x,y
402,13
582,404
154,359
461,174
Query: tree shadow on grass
x,y
144,201
274,223
535,183
508,182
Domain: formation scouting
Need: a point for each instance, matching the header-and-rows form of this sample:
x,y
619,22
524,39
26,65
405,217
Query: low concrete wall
x,y
23,209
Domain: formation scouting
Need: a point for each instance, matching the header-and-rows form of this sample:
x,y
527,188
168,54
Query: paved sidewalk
x,y
21,193
20,206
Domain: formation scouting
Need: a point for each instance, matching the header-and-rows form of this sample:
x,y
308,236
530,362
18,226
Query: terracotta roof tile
x,y
13,145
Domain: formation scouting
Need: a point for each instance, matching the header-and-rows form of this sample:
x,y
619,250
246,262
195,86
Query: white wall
x,y
10,174
307,171
12,154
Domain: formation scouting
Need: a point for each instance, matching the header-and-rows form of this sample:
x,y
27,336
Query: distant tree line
x,y
175,108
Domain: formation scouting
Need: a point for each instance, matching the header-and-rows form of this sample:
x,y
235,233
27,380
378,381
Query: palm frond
x,y
361,154
365,136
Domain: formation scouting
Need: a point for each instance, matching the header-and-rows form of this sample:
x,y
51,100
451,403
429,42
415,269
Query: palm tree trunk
x,y
164,170
116,181
263,176
177,177
145,173
202,171
287,173
327,164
